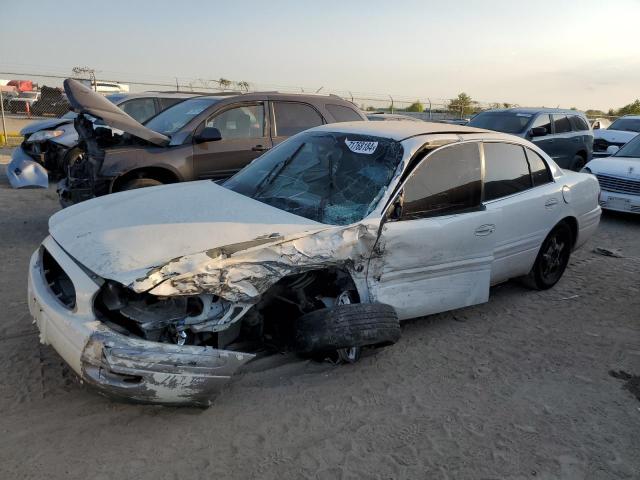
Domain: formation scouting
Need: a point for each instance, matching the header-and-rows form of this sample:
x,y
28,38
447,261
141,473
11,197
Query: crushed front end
x,y
151,366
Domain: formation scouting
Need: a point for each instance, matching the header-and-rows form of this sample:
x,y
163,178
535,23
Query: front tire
x,y
346,328
552,259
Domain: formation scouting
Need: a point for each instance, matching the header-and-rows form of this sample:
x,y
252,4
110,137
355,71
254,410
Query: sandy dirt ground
x,y
518,388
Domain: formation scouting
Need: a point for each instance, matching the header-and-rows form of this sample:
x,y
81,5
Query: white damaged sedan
x,y
320,246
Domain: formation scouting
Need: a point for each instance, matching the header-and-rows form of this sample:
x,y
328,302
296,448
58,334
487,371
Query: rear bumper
x,y
116,365
587,226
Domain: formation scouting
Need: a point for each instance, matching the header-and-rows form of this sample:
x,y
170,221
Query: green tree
x,y
594,113
631,109
462,104
415,107
224,83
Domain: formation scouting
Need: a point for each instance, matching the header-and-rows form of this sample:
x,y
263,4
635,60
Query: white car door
x,y
519,188
435,249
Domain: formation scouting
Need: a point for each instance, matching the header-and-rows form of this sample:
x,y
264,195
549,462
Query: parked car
x,y
52,101
599,123
23,102
321,246
619,177
204,137
391,117
49,146
565,135
616,135
104,87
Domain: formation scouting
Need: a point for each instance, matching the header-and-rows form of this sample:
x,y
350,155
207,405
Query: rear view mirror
x,y
538,132
208,134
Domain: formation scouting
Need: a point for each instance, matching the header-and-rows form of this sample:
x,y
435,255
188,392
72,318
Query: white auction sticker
x,y
358,146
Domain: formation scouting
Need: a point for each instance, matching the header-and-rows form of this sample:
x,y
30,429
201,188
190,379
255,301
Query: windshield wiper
x,y
275,171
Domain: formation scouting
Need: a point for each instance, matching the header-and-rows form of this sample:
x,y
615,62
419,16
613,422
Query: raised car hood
x,y
625,167
614,136
84,100
123,236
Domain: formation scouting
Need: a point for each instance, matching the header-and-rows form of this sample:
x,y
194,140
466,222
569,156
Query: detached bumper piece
x,y
24,172
149,372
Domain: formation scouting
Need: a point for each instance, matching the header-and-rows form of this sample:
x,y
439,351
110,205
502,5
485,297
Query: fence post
x,y
429,100
4,125
391,103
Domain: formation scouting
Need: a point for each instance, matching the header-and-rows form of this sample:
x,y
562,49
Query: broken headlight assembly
x,y
43,135
184,319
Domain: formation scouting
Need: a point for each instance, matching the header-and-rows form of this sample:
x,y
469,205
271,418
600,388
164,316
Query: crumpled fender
x,y
243,275
24,172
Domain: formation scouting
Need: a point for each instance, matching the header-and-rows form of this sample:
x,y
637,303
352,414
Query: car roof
x,y
128,96
635,117
533,110
400,130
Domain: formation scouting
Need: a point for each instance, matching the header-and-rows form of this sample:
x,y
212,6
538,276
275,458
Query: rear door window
x,y
168,102
579,124
540,173
561,123
447,182
341,113
292,117
506,170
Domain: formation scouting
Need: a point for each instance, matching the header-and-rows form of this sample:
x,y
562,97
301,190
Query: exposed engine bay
x,y
209,320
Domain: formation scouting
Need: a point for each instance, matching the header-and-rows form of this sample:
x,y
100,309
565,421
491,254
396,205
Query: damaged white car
x,y
320,246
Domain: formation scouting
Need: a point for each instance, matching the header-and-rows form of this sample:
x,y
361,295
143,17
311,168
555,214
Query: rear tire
x,y
140,183
552,259
578,162
345,327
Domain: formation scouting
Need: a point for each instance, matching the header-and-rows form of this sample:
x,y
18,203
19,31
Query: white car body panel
x,y
198,237
612,136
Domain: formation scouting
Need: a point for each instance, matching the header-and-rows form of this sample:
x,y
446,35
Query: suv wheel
x,y
140,183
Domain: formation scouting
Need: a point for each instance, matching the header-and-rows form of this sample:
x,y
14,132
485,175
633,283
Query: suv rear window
x,y
561,123
579,123
292,118
507,122
343,114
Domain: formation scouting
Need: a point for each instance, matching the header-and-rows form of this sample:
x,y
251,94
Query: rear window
x,y
507,122
561,123
579,123
506,170
343,114
291,118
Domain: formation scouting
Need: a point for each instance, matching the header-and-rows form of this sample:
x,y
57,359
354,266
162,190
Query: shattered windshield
x,y
174,118
332,178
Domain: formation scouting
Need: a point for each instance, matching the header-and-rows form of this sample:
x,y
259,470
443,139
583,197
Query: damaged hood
x,y
124,235
44,125
84,100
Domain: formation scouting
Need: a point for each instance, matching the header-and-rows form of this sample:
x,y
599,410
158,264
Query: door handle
x,y
552,202
484,230
260,148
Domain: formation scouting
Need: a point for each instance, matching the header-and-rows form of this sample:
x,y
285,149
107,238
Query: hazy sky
x,y
568,53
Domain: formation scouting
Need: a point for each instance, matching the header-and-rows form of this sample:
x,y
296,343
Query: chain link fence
x,y
42,97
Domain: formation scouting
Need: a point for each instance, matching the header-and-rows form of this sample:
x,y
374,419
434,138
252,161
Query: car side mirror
x,y
208,134
538,132
395,209
612,149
